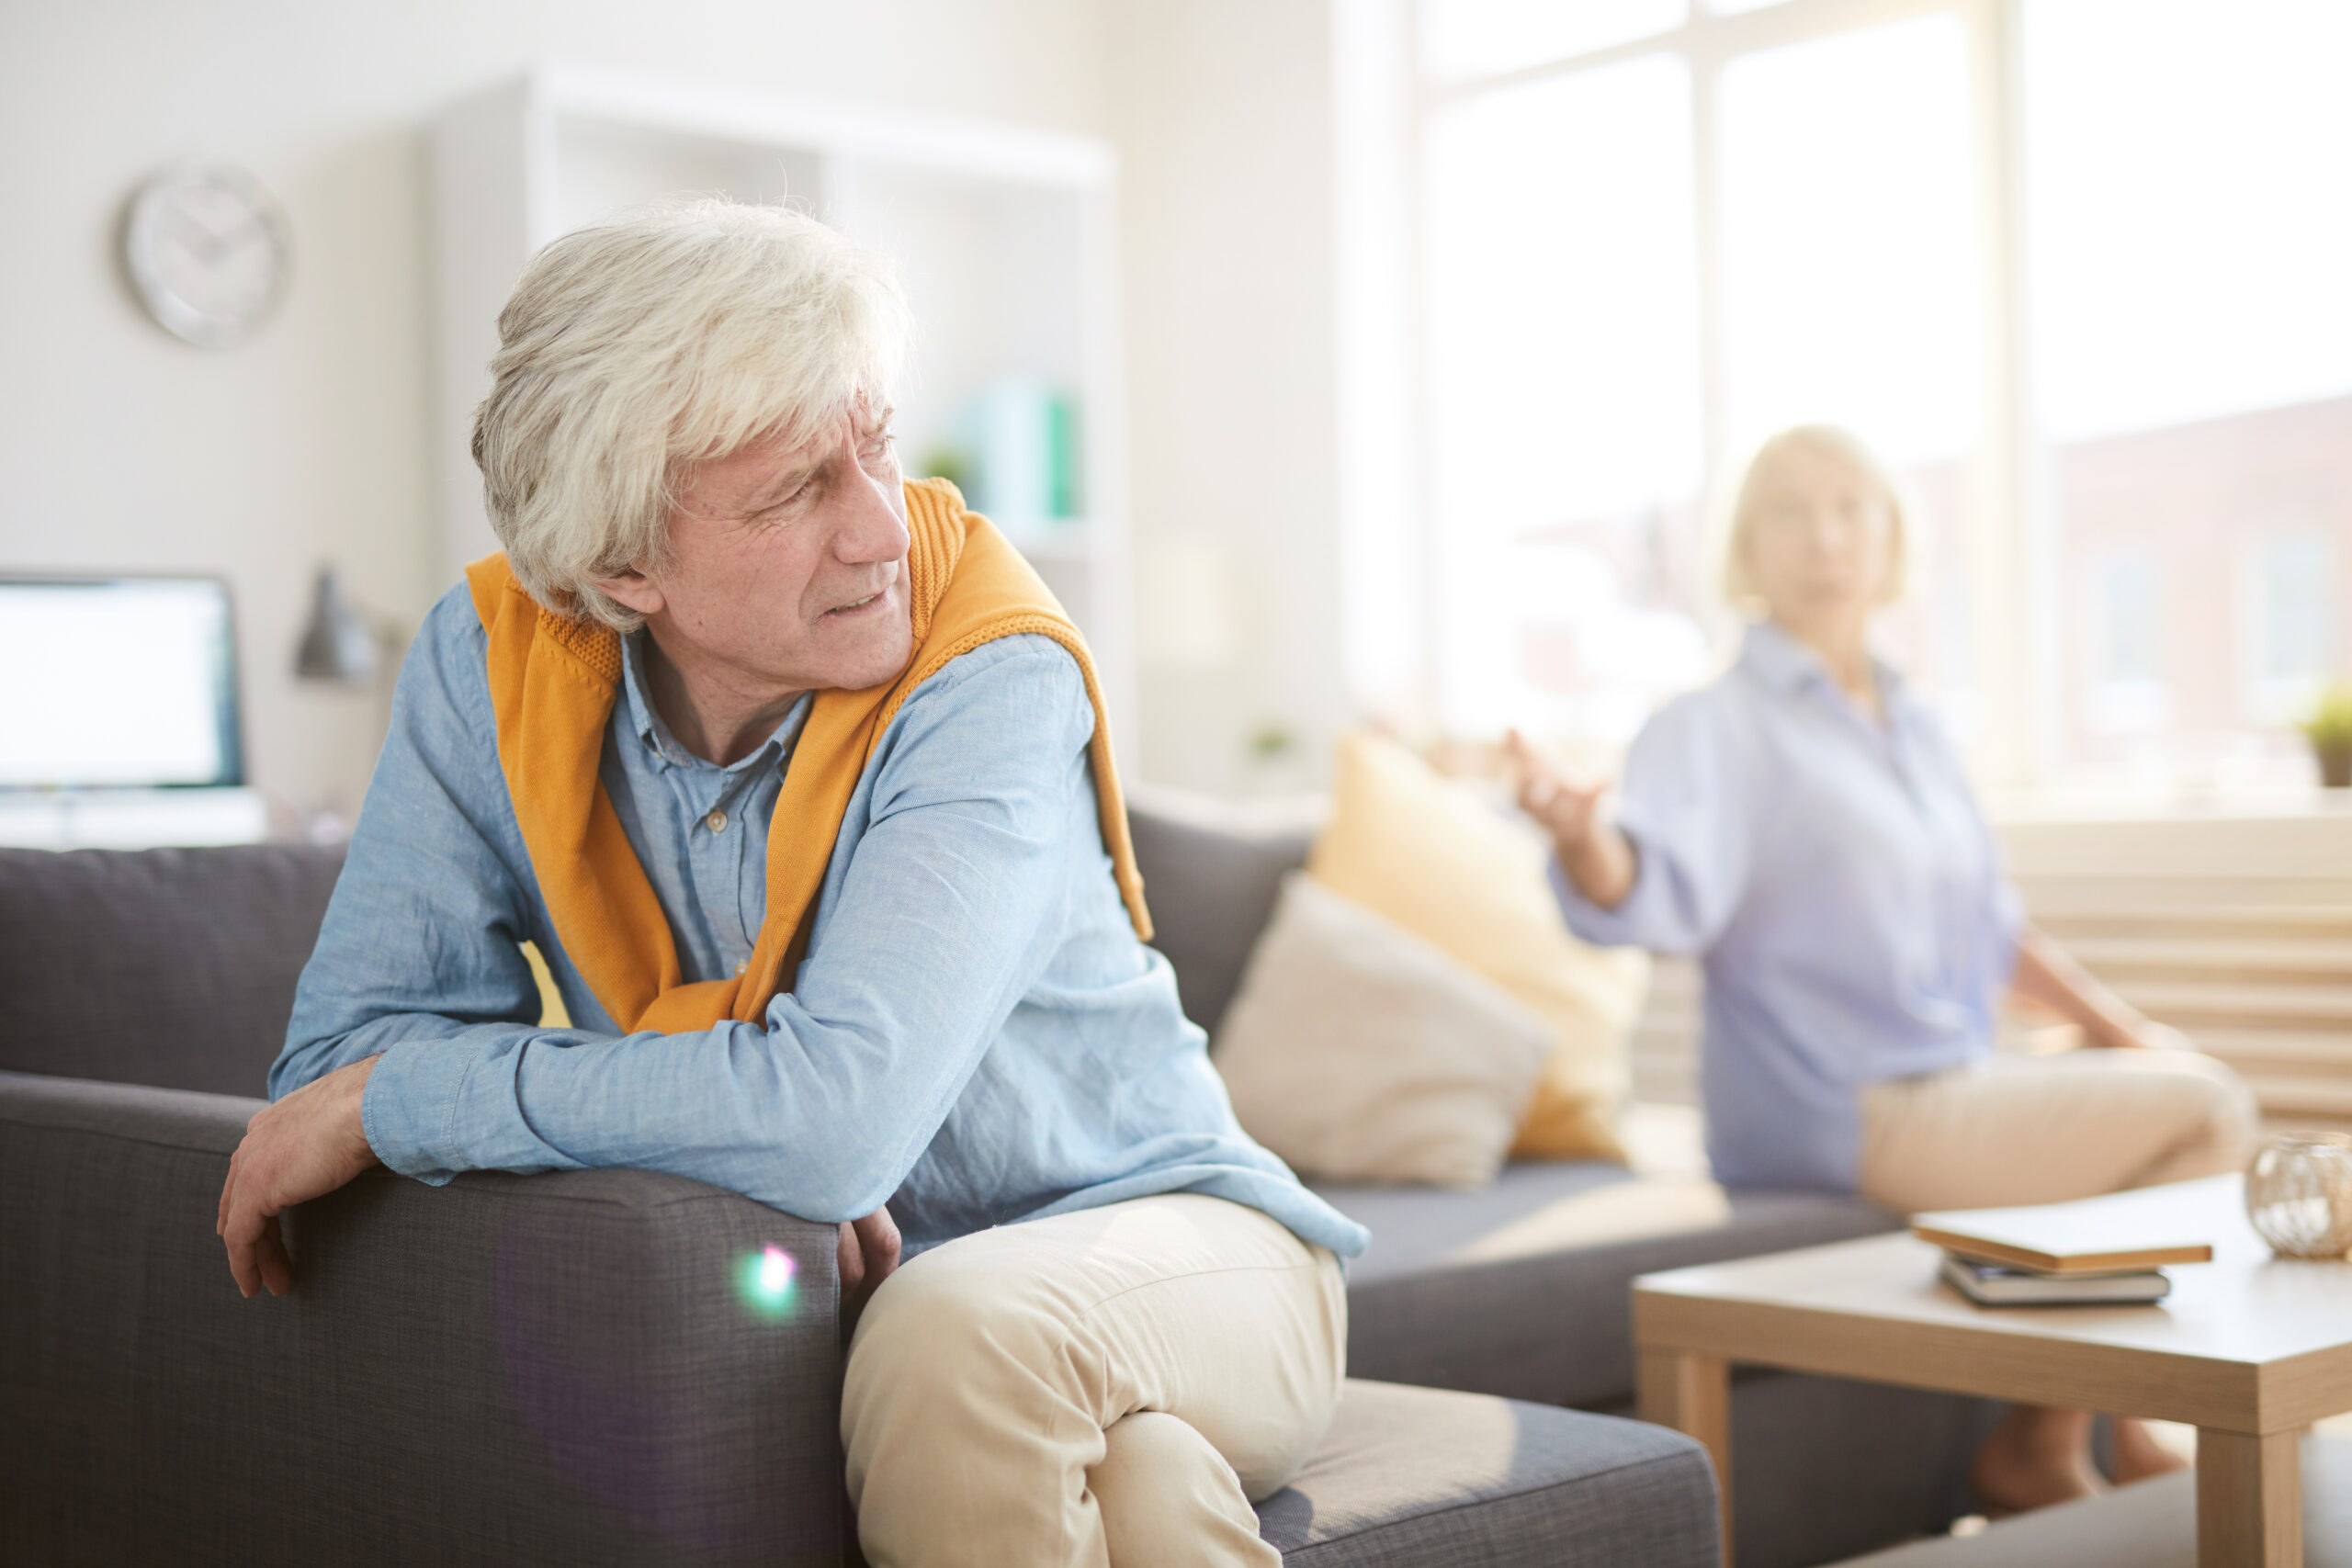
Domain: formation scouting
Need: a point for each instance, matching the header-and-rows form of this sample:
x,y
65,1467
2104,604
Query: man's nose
x,y
873,530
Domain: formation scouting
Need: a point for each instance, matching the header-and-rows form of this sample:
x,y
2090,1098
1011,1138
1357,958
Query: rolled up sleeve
x,y
1687,809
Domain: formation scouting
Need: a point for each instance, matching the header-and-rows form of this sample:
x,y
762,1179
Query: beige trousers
x,y
1110,1387
2046,1129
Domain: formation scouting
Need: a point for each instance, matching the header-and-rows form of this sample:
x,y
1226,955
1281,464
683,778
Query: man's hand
x,y
869,1251
307,1144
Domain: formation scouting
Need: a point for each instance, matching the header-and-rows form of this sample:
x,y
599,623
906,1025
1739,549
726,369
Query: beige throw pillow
x,y
1433,858
1357,1051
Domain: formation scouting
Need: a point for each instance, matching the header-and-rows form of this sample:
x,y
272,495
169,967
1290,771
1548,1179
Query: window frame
x,y
2011,564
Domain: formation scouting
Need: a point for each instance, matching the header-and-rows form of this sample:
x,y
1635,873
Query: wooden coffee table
x,y
2249,1348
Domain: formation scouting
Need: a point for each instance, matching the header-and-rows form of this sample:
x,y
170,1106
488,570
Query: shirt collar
x,y
1788,665
655,735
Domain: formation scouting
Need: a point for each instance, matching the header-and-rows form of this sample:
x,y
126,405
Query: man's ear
x,y
633,589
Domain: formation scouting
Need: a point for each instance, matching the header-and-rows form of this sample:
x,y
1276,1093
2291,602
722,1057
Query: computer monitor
x,y
117,682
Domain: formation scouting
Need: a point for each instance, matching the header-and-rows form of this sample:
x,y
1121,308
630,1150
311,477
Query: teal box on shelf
x,y
1021,446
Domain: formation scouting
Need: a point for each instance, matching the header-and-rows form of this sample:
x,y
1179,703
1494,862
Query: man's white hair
x,y
670,334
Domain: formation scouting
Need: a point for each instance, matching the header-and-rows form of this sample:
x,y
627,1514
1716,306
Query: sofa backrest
x,y
1210,888
175,968
169,967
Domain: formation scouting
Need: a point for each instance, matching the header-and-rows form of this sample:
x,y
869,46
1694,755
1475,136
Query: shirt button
x,y
744,968
715,821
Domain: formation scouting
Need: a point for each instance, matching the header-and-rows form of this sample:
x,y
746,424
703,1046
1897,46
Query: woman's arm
x,y
1598,859
2047,977
1667,873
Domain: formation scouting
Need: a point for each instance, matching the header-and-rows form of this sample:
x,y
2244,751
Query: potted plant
x,y
2329,729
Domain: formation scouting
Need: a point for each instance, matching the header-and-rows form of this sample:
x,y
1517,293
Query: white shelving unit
x,y
1005,239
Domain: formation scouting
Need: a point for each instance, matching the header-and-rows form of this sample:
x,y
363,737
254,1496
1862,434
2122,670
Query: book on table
x,y
2121,1232
1994,1284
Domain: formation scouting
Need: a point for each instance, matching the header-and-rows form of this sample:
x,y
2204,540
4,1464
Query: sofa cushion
x,y
1411,1477
1359,1052
169,967
1433,855
1523,1289
1211,877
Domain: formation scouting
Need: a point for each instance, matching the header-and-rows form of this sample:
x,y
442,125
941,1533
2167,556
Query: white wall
x,y
1225,118
122,447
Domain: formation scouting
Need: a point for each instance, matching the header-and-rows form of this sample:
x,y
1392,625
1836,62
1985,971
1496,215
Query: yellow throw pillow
x,y
1430,856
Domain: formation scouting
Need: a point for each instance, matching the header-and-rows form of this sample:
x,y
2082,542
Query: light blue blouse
x,y
1840,886
975,1036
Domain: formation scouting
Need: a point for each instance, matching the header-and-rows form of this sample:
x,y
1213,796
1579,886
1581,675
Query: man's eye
x,y
789,502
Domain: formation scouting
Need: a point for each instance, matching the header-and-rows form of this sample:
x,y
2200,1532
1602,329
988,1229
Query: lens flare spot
x,y
775,1271
767,1281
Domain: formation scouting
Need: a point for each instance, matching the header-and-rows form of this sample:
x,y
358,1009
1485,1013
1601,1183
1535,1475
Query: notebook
x,y
2123,1231
1993,1284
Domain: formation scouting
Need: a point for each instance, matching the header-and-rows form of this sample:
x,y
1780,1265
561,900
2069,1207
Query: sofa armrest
x,y
585,1367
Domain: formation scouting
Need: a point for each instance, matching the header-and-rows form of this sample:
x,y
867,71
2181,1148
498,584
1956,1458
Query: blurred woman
x,y
1804,827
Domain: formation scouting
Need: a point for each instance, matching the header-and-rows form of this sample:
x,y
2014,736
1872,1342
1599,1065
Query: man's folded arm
x,y
420,941
824,1109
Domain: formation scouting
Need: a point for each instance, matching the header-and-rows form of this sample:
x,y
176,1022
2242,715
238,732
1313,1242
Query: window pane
x,y
1564,400
1849,238
2193,369
1850,293
1470,38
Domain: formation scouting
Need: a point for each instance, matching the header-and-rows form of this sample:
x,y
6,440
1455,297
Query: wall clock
x,y
209,250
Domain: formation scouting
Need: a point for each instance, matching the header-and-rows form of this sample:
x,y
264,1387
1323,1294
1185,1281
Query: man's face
x,y
787,566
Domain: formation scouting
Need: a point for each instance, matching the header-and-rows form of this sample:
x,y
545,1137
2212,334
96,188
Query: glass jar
x,y
2298,1194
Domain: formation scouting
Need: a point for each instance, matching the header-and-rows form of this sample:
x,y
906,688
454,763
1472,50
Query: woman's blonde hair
x,y
1735,513
676,333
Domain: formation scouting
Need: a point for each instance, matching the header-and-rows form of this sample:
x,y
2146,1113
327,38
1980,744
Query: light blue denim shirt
x,y
1840,886
976,1036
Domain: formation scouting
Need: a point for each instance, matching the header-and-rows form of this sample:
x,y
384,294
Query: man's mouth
x,y
860,606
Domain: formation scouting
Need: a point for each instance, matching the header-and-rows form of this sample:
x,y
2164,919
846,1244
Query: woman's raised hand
x,y
1566,810
1598,859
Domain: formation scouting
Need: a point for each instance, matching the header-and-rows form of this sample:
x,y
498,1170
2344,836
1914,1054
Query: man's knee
x,y
1168,1496
939,1338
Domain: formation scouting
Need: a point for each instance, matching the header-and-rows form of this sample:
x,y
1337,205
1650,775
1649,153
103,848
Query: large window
x,y
2188,168
2083,268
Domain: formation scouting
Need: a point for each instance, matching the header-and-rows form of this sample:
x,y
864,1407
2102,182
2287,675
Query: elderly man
x,y
800,780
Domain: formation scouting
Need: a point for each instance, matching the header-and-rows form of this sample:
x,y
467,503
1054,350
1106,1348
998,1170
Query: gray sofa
x,y
562,1369
565,1368
1823,1469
